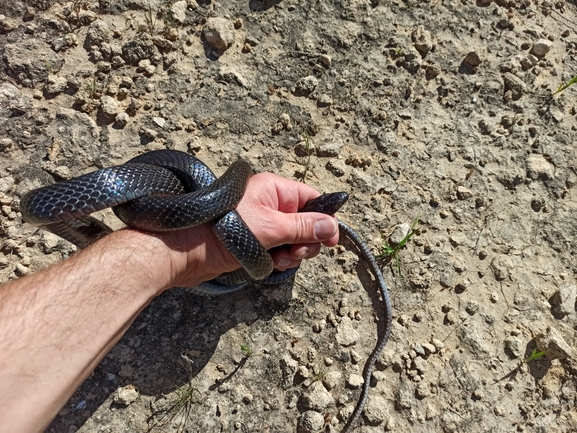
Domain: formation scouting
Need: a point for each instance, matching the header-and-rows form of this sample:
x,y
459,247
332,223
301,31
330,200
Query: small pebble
x,y
355,381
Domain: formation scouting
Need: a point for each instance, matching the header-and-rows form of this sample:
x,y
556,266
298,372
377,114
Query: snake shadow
x,y
168,344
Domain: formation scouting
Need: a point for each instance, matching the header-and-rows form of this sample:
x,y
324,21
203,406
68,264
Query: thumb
x,y
307,228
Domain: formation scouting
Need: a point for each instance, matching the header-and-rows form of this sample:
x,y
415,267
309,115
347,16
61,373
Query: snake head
x,y
327,203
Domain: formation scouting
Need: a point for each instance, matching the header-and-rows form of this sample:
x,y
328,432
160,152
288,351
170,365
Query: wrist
x,y
187,257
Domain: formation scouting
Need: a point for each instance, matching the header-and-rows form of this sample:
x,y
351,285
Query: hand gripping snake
x,y
170,190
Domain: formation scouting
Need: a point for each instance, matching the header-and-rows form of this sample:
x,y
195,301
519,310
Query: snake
x,y
167,190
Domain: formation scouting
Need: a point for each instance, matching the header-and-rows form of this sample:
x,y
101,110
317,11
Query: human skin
x,y
56,325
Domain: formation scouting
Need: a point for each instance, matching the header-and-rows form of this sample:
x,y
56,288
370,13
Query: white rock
x,y
311,422
219,33
399,233
332,379
306,85
564,300
376,411
317,398
355,381
501,266
126,395
121,119
178,10
109,106
539,168
159,121
463,193
346,334
55,84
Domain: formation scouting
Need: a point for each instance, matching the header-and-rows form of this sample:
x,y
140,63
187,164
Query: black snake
x,y
169,190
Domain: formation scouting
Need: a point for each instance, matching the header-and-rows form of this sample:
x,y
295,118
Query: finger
x,y
282,259
307,228
305,251
293,195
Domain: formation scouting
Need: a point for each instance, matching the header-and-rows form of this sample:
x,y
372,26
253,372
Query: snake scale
x,y
170,190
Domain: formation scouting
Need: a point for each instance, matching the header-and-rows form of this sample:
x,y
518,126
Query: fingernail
x,y
324,229
304,255
283,262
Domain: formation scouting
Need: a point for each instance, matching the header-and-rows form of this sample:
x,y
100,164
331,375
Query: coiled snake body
x,y
169,190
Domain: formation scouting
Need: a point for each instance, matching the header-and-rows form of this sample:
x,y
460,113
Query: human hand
x,y
269,207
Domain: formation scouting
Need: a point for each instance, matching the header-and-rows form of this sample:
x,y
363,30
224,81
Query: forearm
x,y
56,325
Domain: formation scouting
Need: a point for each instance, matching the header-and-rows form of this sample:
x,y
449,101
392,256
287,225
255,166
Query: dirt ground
x,y
441,111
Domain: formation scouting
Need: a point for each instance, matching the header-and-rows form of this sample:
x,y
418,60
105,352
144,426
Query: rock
x,y
29,14
404,398
306,85
311,422
329,148
354,381
326,60
5,145
399,233
20,270
422,40
159,121
529,61
346,334
141,47
49,242
429,348
178,10
501,267
98,33
541,47
284,119
7,25
232,75
539,168
422,390
324,100
218,33
552,343
151,134
121,119
78,136
420,364
13,101
472,59
126,395
563,301
86,17
375,412
30,61
109,106
288,368
463,193
514,84
336,167
332,379
146,66
316,398
514,347
419,349
55,84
